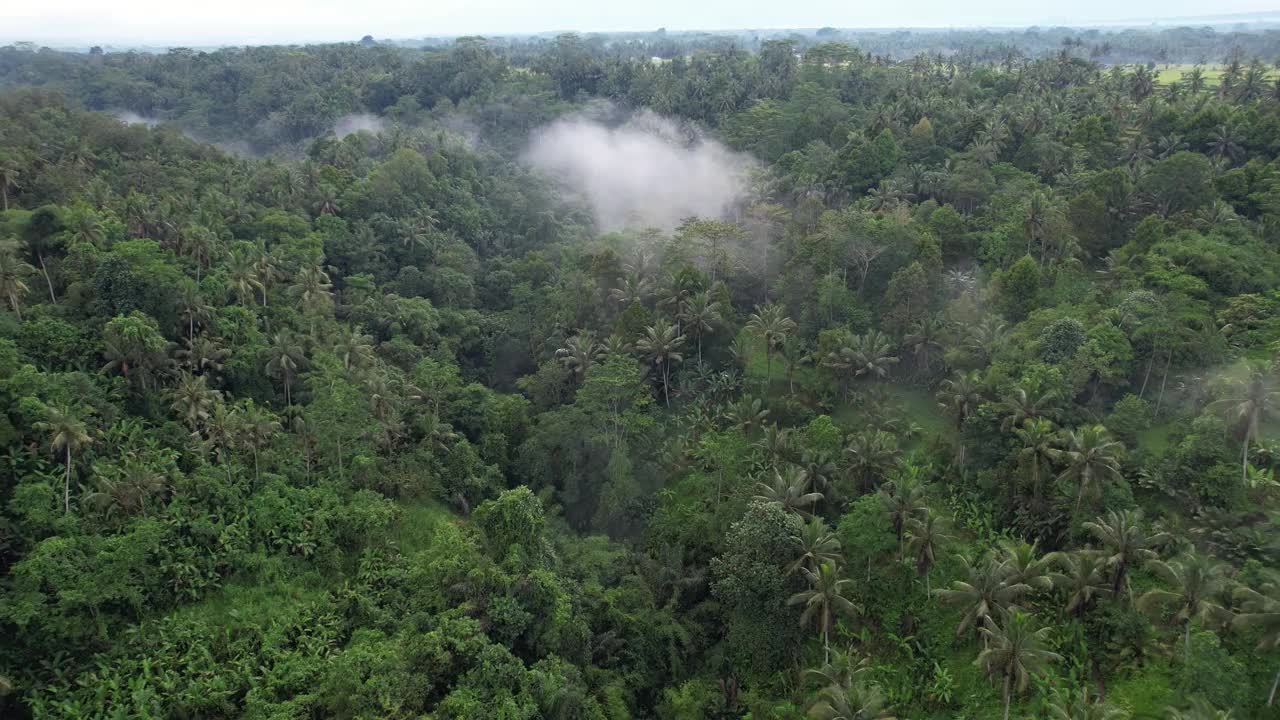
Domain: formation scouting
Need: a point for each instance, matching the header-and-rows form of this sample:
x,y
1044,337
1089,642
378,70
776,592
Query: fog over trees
x,y
813,374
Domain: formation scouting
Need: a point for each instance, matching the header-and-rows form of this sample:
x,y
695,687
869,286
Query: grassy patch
x,y
417,523
909,402
1145,694
1155,439
245,604
1166,74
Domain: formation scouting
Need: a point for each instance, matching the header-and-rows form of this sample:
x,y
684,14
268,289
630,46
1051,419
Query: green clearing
x,y
247,603
417,523
1155,439
914,404
1166,74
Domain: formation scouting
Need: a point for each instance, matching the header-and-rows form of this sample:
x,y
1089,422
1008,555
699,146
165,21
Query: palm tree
x,y
124,488
859,701
926,534
1194,582
749,414
198,243
959,396
615,346
1036,220
844,669
821,467
1023,566
1092,458
873,355
1081,578
1251,400
1260,612
1126,543
823,601
1038,437
1015,652
191,399
700,316
312,290
817,545
353,348
793,353
871,453
1223,144
8,178
791,492
769,323
327,201
903,499
67,435
634,289
285,358
1200,709
257,427
1020,406
661,345
579,353
985,593
267,267
924,340
12,273
202,353
984,338
242,274
193,307
1065,707
1195,80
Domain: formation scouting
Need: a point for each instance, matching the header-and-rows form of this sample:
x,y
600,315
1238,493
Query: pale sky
x,y
208,22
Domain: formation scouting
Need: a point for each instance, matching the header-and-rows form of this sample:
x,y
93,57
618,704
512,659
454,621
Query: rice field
x,y
1166,74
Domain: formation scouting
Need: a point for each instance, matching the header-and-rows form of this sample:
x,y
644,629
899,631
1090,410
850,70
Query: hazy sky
x,y
175,22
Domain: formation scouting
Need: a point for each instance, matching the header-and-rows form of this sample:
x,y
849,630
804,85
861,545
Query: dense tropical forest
x,y
368,381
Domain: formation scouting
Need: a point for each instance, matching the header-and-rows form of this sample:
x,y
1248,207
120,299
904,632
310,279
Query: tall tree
x,y
1038,438
1194,585
701,316
67,435
13,272
660,345
1091,458
1015,652
984,593
1260,613
1250,401
579,353
817,545
824,601
791,491
926,534
1080,577
770,323
1126,543
285,357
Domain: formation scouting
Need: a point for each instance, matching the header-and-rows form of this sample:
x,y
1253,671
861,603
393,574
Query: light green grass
x,y
1155,439
417,524
1166,74
244,604
915,404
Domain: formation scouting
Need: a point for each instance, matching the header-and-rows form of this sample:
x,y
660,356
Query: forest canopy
x,y
678,376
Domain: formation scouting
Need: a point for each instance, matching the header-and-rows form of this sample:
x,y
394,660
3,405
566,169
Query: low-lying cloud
x,y
647,171
348,124
130,117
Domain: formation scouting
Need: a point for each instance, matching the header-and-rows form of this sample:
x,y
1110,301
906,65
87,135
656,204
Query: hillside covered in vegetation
x,y
559,380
